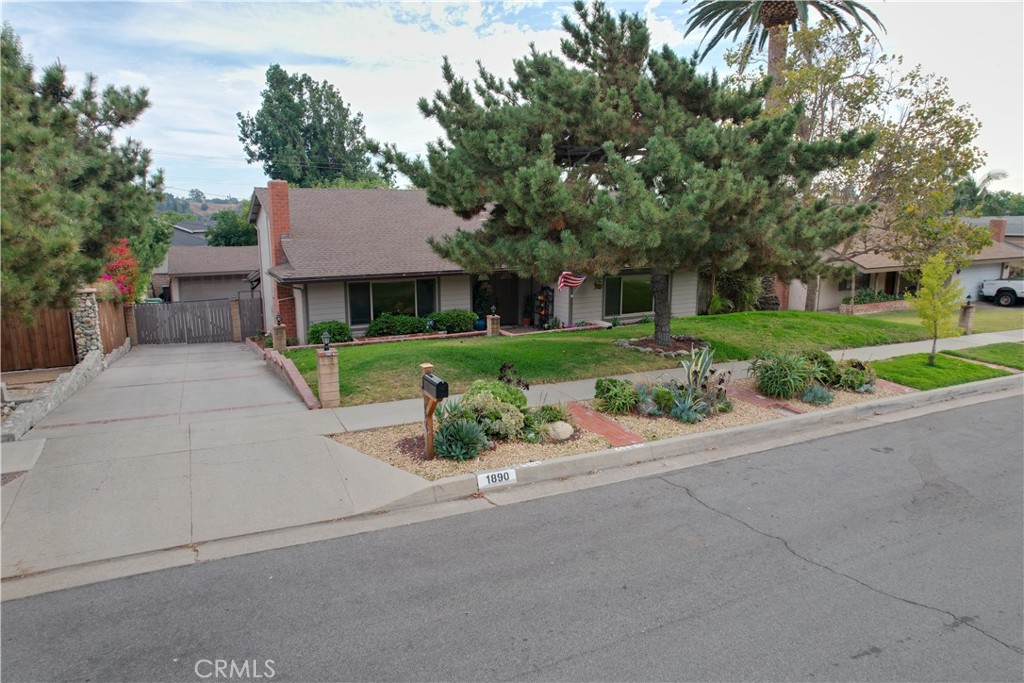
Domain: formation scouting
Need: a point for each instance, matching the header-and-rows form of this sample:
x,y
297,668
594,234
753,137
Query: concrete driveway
x,y
169,384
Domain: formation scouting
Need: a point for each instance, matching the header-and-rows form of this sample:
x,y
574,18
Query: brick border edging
x,y
395,338
284,368
582,328
877,307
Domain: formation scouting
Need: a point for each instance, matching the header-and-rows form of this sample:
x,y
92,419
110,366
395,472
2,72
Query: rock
x,y
558,431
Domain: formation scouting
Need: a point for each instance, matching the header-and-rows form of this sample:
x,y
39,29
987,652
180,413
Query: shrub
x,y
452,411
615,395
499,419
505,393
460,440
817,395
855,375
705,380
781,375
339,331
824,368
688,406
724,406
391,324
453,321
553,413
664,398
647,405
871,296
509,374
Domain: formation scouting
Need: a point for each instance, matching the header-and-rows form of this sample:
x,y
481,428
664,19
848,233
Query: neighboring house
x,y
882,272
1014,227
190,234
200,273
350,255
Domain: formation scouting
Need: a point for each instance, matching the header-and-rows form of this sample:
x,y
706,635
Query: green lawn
x,y
913,371
986,318
1008,354
385,372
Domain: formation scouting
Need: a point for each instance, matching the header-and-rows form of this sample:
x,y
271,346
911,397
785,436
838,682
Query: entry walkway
x,y
232,454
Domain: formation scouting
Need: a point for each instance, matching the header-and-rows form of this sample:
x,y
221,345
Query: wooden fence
x,y
184,322
113,330
49,343
251,314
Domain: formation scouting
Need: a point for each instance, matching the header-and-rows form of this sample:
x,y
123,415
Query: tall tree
x,y
305,133
925,141
770,21
69,190
969,194
232,229
620,157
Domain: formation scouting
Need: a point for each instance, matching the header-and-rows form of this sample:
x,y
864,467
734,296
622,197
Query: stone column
x,y
236,321
967,318
85,318
327,378
130,325
279,338
493,325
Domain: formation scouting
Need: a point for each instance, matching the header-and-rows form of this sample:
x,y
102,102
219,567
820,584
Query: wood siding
x,y
327,302
48,343
684,294
187,322
455,292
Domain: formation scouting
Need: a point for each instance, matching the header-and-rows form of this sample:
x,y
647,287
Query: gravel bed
x,y
402,447
842,398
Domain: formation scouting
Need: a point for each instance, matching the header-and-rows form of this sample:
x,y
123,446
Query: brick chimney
x,y
998,227
280,219
280,226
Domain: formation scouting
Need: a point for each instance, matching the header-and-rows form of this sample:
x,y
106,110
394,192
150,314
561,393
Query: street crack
x,y
957,621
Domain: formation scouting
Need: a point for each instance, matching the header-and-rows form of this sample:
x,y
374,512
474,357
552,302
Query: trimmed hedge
x,y
389,325
339,331
453,321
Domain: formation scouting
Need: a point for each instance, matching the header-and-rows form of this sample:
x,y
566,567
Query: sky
x,y
204,62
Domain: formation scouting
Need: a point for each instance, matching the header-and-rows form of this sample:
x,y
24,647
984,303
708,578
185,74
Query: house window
x,y
863,282
368,300
627,295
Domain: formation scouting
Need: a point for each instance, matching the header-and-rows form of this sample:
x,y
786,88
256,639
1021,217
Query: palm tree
x,y
769,20
969,192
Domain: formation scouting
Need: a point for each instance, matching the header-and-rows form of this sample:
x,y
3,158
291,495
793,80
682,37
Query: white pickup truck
x,y
1002,292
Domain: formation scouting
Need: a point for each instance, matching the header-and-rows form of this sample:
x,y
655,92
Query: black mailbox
x,y
434,386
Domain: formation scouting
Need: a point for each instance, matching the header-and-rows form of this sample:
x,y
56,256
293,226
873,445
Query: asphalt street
x,y
890,553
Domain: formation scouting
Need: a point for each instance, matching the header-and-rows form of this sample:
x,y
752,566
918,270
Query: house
x,y
190,233
882,272
351,255
1014,227
201,273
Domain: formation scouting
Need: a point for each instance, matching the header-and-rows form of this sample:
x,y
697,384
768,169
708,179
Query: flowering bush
x,y
122,271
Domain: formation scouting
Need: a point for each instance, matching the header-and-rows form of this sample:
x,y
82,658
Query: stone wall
x,y
85,319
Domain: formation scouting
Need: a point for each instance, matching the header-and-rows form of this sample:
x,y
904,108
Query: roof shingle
x,y
212,260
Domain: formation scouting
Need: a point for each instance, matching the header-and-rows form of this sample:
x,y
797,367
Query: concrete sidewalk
x,y
118,493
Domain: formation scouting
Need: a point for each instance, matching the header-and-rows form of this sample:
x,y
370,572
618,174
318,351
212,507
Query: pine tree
x,y
68,190
619,157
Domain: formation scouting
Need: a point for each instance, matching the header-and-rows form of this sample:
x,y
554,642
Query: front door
x,y
506,297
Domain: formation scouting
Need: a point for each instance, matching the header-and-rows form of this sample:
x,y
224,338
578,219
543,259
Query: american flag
x,y
567,279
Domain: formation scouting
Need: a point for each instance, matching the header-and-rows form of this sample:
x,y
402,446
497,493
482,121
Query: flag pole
x,y
572,291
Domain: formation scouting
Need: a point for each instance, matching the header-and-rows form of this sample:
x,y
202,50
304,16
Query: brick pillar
x,y
85,318
327,378
286,309
279,338
236,321
130,325
967,318
493,325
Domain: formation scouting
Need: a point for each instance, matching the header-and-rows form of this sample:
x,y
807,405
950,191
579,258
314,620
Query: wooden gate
x,y
184,322
48,343
251,313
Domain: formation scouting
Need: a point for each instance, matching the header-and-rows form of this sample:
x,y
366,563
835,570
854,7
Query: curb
x,y
464,485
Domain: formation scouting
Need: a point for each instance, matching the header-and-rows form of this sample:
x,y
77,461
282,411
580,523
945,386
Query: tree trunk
x,y
777,39
813,285
662,312
935,343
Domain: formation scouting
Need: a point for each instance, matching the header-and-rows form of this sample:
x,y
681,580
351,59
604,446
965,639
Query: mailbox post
x,y
435,390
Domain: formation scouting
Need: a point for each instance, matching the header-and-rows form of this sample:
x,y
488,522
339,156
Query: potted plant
x,y
528,311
